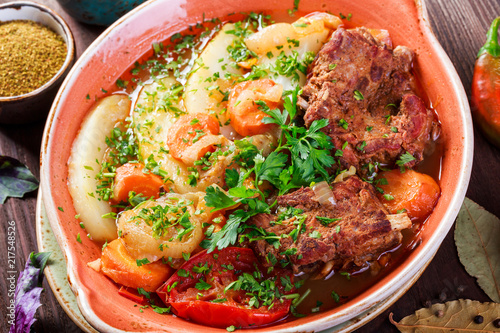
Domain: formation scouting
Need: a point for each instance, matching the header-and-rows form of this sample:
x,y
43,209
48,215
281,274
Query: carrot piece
x,y
415,192
244,113
119,266
130,177
187,130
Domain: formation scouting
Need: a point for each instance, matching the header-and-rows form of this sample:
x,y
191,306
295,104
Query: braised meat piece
x,y
367,92
353,228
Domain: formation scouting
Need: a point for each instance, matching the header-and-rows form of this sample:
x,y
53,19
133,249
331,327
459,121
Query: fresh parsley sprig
x,y
263,169
309,147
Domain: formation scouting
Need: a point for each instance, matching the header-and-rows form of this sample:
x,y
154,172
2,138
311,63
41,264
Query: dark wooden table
x,y
460,26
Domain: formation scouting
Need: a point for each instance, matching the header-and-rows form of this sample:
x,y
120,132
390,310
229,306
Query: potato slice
x,y
201,93
307,34
157,108
155,111
88,148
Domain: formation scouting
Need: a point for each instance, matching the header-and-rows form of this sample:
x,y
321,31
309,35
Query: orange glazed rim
x,y
131,37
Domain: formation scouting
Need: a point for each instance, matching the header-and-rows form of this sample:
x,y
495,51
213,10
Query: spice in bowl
x,y
30,55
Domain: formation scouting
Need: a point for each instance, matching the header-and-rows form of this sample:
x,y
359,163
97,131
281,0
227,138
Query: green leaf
x,y
455,316
278,117
202,285
476,235
271,168
242,192
247,152
232,177
326,220
15,179
229,232
290,104
405,158
140,262
216,198
317,125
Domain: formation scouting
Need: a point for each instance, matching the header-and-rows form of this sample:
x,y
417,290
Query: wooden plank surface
x,y
459,25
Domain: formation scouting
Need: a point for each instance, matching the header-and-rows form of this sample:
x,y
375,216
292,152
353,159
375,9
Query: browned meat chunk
x,y
308,234
366,90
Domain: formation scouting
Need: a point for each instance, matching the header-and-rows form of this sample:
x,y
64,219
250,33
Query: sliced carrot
x,y
118,265
187,130
130,177
415,192
244,113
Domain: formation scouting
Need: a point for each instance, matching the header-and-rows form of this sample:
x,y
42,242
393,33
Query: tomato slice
x,y
228,287
133,295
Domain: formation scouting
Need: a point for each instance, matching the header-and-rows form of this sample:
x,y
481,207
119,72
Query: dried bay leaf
x,y
477,236
455,316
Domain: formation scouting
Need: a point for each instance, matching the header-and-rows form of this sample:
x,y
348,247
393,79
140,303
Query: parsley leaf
x,y
141,262
229,232
247,153
271,168
216,198
326,220
404,159
290,103
202,285
232,178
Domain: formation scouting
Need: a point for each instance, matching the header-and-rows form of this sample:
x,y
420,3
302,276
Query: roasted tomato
x,y
228,287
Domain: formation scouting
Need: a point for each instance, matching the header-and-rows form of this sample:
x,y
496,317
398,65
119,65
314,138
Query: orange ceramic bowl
x,y
131,37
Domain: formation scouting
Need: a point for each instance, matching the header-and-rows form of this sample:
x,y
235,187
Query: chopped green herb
x,y
358,95
141,262
404,159
315,234
202,285
182,273
326,221
362,146
143,292
343,124
160,310
335,296
388,197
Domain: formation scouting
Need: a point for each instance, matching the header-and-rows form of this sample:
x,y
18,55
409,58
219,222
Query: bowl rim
x,y
70,47
396,282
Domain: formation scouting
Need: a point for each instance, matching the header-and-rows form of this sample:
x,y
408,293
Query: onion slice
x,y
346,174
191,154
324,194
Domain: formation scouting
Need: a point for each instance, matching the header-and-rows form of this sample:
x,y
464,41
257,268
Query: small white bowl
x,y
35,105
